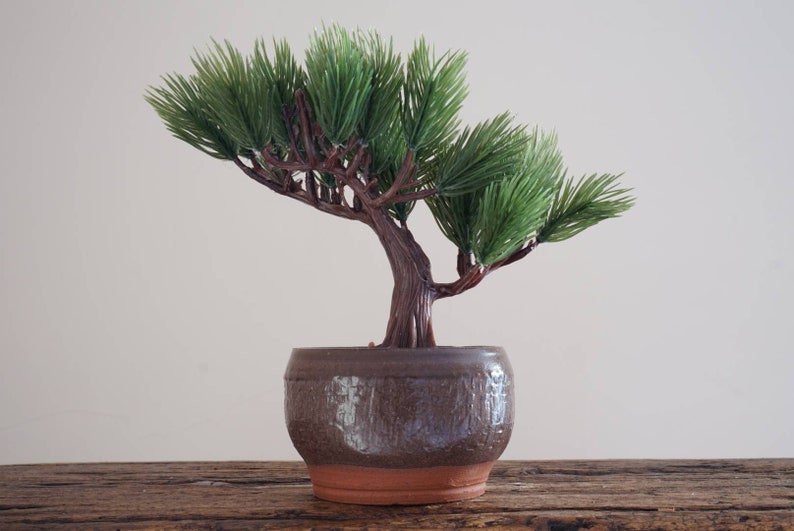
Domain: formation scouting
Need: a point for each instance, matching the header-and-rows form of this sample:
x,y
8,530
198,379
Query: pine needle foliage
x,y
491,151
282,76
579,206
339,82
235,93
432,96
380,127
387,151
493,188
358,133
455,217
495,220
382,109
185,111
511,211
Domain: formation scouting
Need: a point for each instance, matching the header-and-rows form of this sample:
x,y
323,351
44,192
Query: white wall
x,y
151,295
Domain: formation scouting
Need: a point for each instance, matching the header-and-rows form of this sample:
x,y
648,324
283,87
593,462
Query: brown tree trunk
x,y
410,317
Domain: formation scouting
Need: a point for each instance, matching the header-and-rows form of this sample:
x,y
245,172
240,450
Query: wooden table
x,y
547,495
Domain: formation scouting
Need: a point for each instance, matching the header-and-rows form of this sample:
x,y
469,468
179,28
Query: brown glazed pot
x,y
382,426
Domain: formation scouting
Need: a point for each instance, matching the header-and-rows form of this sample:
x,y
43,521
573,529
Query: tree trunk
x,y
410,317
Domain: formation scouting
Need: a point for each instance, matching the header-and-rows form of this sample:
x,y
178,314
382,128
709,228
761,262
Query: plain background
x,y
151,294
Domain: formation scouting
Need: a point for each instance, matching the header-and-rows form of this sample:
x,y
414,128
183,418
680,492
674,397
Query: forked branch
x,y
471,274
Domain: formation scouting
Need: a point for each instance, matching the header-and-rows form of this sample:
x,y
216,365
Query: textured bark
x,y
410,315
541,495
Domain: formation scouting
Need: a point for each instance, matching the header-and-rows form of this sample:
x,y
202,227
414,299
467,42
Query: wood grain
x,y
541,495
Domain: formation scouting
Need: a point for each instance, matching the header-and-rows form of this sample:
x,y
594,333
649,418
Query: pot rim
x,y
489,348
445,362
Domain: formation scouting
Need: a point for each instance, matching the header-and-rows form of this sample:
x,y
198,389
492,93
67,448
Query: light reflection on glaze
x,y
496,395
346,393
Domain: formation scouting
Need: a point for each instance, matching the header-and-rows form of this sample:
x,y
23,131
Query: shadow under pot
x,y
382,426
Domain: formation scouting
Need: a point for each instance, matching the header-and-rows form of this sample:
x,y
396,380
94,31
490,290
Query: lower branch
x,y
519,254
471,278
471,274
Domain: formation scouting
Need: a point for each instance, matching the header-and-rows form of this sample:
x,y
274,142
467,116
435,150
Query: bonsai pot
x,y
383,426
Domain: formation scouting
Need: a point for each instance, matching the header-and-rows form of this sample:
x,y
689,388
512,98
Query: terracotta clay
x,y
398,486
399,426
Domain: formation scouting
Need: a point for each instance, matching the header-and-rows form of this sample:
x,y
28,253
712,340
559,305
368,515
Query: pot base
x,y
398,486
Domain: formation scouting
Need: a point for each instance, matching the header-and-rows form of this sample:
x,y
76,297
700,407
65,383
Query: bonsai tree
x,y
358,134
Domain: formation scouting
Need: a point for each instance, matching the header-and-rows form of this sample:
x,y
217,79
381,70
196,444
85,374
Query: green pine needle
x,y
511,211
387,151
339,82
489,152
184,110
497,185
236,93
283,76
383,107
579,206
432,96
455,217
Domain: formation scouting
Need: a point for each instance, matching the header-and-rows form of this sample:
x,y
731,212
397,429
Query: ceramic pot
x,y
384,426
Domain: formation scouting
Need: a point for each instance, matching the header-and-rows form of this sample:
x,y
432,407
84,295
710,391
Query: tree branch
x,y
351,179
412,184
404,175
473,274
301,195
413,196
471,278
306,130
255,174
287,112
464,262
518,255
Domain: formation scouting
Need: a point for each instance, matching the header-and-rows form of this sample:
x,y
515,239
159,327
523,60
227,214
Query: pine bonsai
x,y
358,134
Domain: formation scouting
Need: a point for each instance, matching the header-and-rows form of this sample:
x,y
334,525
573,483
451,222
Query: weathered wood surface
x,y
543,495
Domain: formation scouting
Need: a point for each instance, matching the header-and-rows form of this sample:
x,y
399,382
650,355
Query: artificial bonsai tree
x,y
359,134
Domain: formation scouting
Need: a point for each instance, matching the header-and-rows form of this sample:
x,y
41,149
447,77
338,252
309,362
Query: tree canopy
x,y
493,188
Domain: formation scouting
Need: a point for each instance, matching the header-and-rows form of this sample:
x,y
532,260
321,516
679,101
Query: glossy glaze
x,y
399,408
